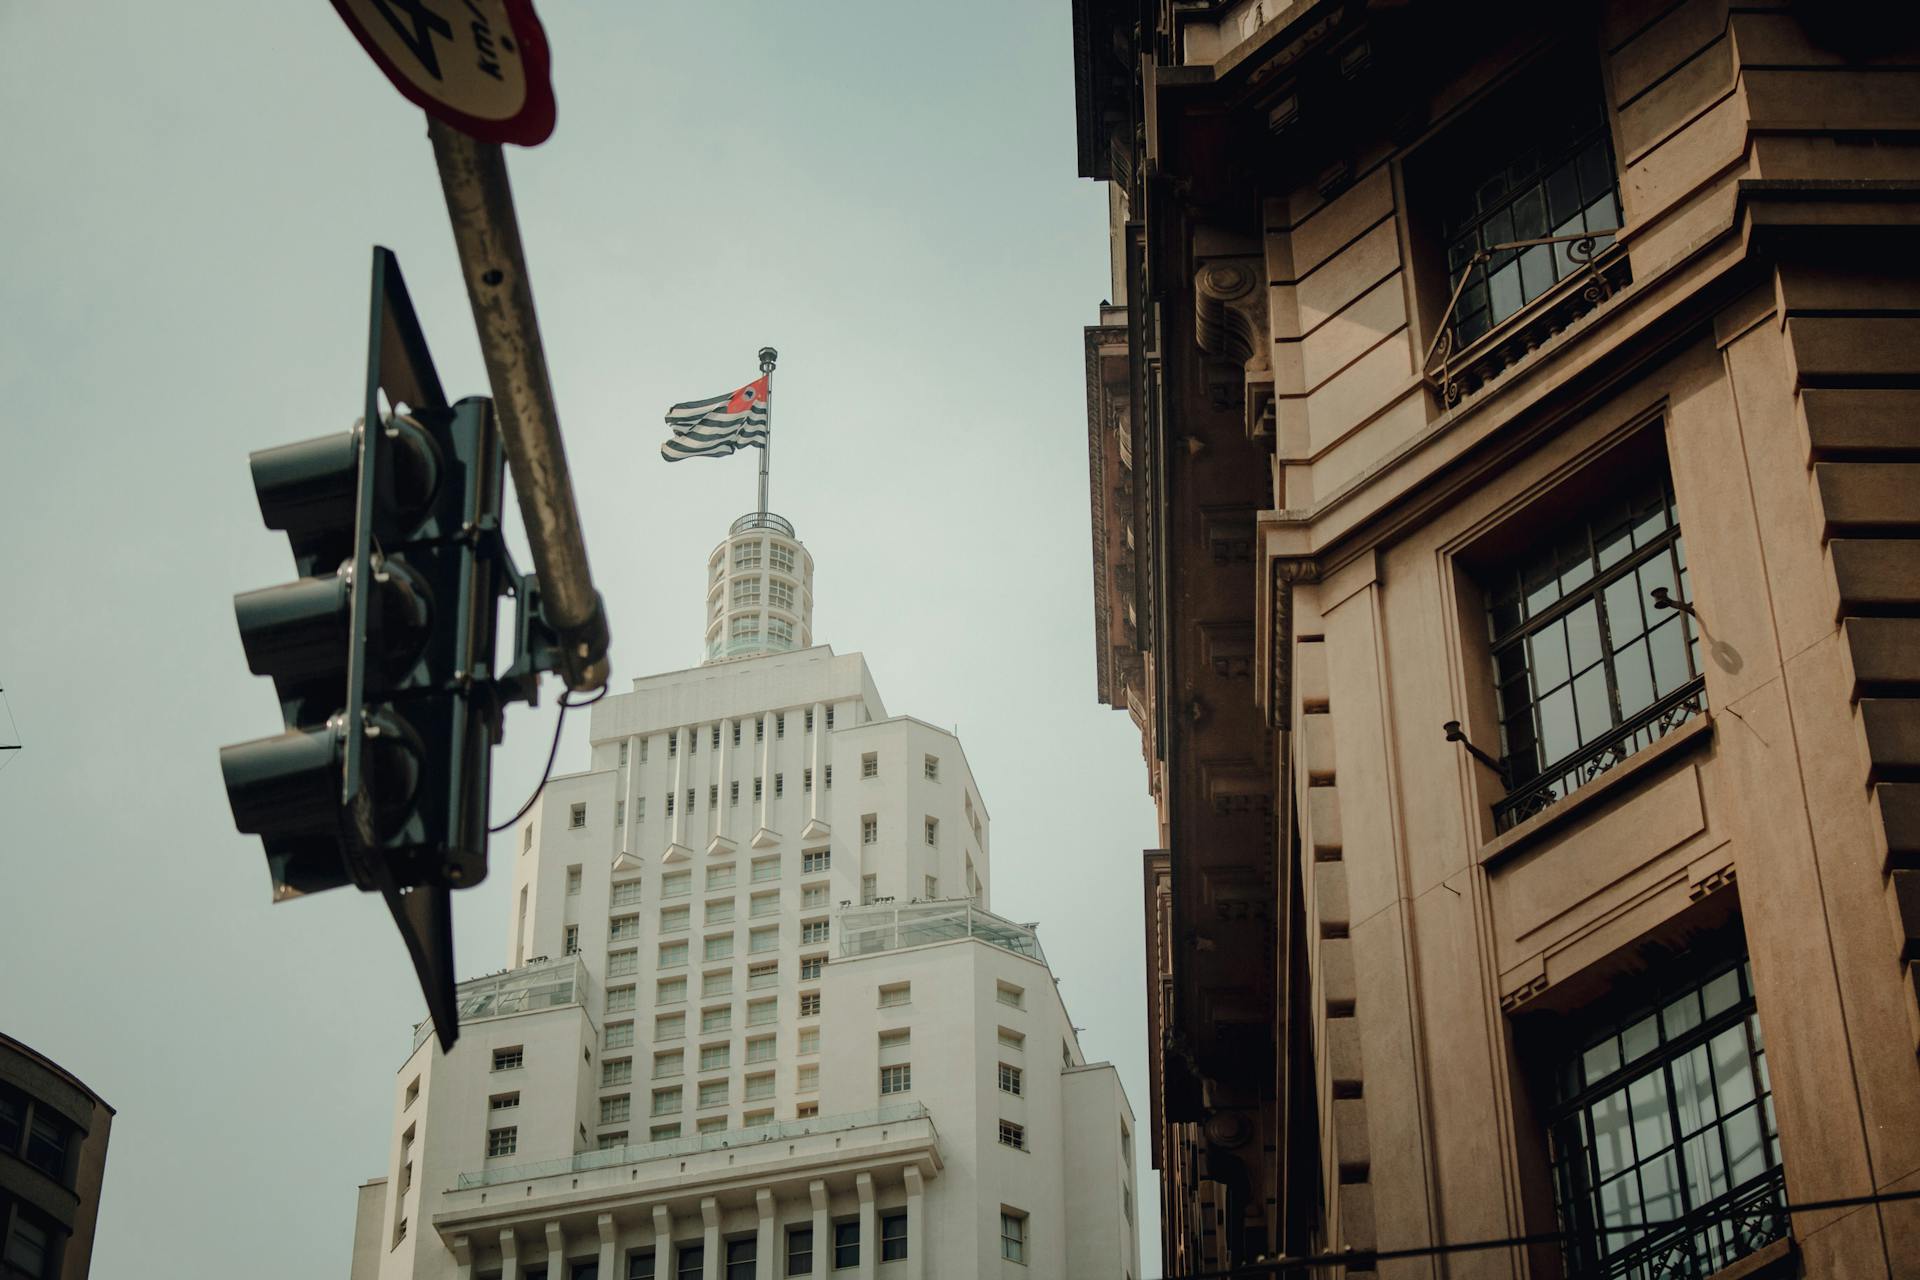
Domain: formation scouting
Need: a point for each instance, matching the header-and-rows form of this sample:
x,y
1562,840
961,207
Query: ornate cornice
x,y
1283,572
1099,416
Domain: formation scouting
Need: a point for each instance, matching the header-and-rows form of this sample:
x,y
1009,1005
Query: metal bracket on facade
x,y
1455,734
1662,600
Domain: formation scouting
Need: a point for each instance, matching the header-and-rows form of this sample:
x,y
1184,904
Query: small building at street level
x,y
53,1159
1504,435
760,1018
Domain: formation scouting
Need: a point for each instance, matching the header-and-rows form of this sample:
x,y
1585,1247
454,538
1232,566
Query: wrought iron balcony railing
x,y
1716,1235
1600,271
1537,792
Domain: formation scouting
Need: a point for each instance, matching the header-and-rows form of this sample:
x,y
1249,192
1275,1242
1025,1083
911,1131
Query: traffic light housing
x,y
382,653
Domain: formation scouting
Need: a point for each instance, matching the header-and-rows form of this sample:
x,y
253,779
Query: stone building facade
x,y
53,1160
1504,436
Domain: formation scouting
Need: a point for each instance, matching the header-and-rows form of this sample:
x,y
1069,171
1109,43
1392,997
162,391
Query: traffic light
x,y
382,653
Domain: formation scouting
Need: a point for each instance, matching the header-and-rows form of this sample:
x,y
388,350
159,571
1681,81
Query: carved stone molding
x,y
1285,572
1230,311
1523,993
1227,648
1237,785
1710,884
1228,532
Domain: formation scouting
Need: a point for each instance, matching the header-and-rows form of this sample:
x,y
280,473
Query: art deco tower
x,y
760,1020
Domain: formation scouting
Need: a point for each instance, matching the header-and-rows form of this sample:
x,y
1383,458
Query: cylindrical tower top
x,y
759,590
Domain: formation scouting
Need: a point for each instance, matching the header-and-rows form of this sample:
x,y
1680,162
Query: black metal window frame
x,y
1556,177
1588,669
1666,1116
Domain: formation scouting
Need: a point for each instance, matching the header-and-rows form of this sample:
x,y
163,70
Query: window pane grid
x,y
1562,184
1580,649
1668,1114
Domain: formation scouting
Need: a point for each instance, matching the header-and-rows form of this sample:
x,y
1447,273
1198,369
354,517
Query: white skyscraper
x,y
761,1021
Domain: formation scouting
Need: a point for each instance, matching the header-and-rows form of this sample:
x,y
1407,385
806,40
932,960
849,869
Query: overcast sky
x,y
884,191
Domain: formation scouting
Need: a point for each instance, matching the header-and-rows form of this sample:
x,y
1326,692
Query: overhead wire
x,y
12,743
553,753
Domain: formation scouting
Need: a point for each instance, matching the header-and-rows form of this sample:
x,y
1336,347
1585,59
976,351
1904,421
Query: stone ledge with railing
x,y
1567,775
731,1140
1601,271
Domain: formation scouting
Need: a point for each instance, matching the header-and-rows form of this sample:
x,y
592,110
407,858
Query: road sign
x,y
479,65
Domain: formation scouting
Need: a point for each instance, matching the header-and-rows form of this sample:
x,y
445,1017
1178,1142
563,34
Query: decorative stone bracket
x,y
1233,326
1230,311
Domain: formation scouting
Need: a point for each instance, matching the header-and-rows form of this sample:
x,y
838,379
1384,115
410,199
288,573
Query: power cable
x,y
553,753
7,749
1350,1258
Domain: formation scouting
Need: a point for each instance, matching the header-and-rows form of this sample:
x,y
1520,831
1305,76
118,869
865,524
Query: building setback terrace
x,y
538,984
695,1144
884,927
667,1191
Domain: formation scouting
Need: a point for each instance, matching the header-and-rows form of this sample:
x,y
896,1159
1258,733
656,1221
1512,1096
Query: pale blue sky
x,y
885,192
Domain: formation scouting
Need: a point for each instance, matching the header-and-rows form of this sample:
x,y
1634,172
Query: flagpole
x,y
767,356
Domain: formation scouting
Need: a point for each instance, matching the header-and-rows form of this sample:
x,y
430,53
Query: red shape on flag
x,y
745,398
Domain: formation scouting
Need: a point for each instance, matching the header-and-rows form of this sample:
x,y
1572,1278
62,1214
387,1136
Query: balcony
x,y
541,984
698,1144
762,520
1712,1237
1598,270
884,927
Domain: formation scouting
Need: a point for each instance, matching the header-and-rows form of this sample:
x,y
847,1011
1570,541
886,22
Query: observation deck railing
x,y
539,984
757,520
884,926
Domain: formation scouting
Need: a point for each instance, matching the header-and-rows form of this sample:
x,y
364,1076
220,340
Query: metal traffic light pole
x,y
480,206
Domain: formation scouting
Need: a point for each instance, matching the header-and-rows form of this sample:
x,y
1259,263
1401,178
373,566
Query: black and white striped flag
x,y
717,427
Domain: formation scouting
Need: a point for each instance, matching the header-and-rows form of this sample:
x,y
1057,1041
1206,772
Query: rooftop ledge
x,y
538,984
787,1155
885,927
762,520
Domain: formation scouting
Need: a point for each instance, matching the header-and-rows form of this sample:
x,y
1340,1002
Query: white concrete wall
x,y
369,1241
1073,1114
1103,1216
453,1113
901,799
